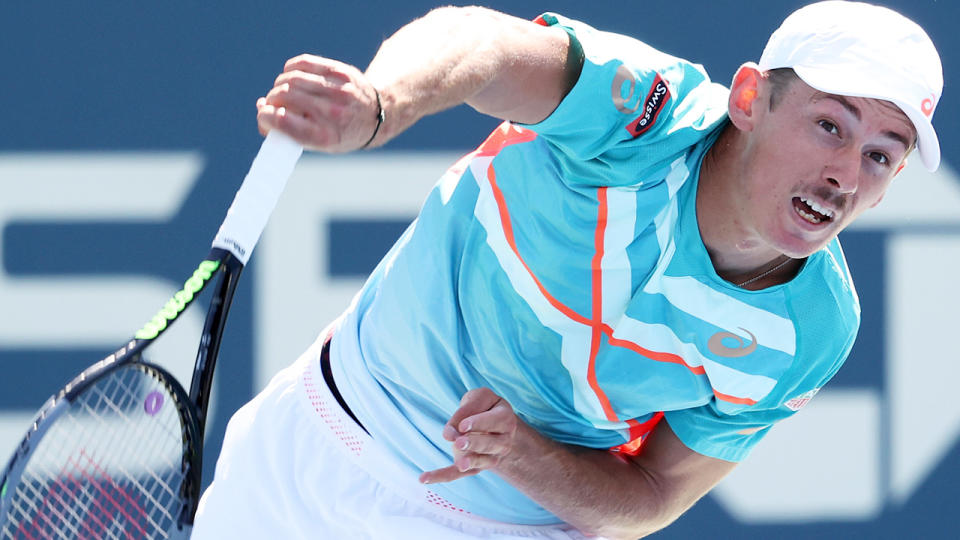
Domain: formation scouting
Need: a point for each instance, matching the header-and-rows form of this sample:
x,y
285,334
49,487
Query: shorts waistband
x,y
331,384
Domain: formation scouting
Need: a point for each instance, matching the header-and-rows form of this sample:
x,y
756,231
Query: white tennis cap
x,y
861,50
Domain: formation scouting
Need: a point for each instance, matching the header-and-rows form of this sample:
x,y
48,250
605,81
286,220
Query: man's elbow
x,y
657,508
633,530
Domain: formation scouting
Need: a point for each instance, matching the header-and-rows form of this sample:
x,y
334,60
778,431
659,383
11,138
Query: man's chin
x,y
801,248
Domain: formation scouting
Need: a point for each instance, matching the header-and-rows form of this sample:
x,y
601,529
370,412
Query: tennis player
x,y
601,310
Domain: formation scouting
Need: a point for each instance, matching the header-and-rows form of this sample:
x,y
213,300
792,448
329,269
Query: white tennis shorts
x,y
294,465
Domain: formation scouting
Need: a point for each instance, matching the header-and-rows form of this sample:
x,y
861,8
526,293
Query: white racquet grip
x,y
258,195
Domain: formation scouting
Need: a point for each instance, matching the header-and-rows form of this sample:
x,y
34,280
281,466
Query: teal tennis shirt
x,y
561,266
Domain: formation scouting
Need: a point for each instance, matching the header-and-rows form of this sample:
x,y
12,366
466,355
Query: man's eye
x,y
879,157
829,126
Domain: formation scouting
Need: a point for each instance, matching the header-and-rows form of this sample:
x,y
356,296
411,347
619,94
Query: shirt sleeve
x,y
730,437
632,111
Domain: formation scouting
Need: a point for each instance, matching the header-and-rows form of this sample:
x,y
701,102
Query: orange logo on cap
x,y
927,106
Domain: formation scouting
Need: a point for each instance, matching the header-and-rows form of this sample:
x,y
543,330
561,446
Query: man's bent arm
x,y
596,491
500,65
612,495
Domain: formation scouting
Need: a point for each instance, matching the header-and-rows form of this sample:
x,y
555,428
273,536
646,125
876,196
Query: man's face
x,y
816,162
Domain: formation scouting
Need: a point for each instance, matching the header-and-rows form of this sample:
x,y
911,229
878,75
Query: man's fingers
x,y
320,109
309,83
481,443
260,126
499,419
310,63
319,65
481,430
474,402
450,433
446,474
294,125
465,464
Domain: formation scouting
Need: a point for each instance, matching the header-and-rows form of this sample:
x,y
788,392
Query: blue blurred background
x,y
128,126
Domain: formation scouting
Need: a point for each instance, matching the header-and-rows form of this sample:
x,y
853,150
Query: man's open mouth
x,y
811,211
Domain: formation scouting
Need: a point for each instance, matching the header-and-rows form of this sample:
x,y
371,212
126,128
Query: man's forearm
x,y
596,491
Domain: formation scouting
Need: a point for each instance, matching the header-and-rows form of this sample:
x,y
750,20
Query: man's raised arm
x,y
500,65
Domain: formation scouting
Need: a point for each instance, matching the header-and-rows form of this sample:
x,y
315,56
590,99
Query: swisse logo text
x,y
656,99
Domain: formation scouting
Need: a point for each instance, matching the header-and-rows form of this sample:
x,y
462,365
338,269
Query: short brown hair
x,y
779,80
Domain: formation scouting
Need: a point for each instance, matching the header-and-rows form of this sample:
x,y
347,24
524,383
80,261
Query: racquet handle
x,y
258,195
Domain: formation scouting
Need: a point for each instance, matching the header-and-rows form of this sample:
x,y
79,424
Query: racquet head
x,y
117,453
116,456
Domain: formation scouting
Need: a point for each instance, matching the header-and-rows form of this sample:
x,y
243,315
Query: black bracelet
x,y
380,118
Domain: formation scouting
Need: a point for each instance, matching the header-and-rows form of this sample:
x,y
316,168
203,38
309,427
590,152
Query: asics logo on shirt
x,y
624,80
718,344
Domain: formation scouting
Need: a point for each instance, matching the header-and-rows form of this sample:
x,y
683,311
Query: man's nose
x,y
843,170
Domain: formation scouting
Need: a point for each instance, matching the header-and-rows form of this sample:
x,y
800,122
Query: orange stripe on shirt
x,y
505,135
508,233
733,399
638,435
653,355
596,268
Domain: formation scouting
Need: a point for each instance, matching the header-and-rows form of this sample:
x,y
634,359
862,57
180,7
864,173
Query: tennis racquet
x,y
117,453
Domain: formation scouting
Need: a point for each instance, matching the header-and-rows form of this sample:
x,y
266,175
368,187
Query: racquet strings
x,y
111,467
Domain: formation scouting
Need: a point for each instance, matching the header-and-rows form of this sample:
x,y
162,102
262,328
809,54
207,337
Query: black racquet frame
x,y
227,259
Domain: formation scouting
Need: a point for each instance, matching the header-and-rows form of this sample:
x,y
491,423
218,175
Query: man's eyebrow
x,y
908,144
855,111
841,100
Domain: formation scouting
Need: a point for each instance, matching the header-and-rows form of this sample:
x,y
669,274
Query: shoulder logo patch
x,y
798,402
656,99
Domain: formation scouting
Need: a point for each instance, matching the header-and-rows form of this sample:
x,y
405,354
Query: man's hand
x,y
484,431
324,104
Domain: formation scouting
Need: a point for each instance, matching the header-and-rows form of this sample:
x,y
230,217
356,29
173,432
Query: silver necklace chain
x,y
765,274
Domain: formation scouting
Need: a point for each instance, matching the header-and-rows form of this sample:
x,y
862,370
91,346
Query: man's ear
x,y
744,91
